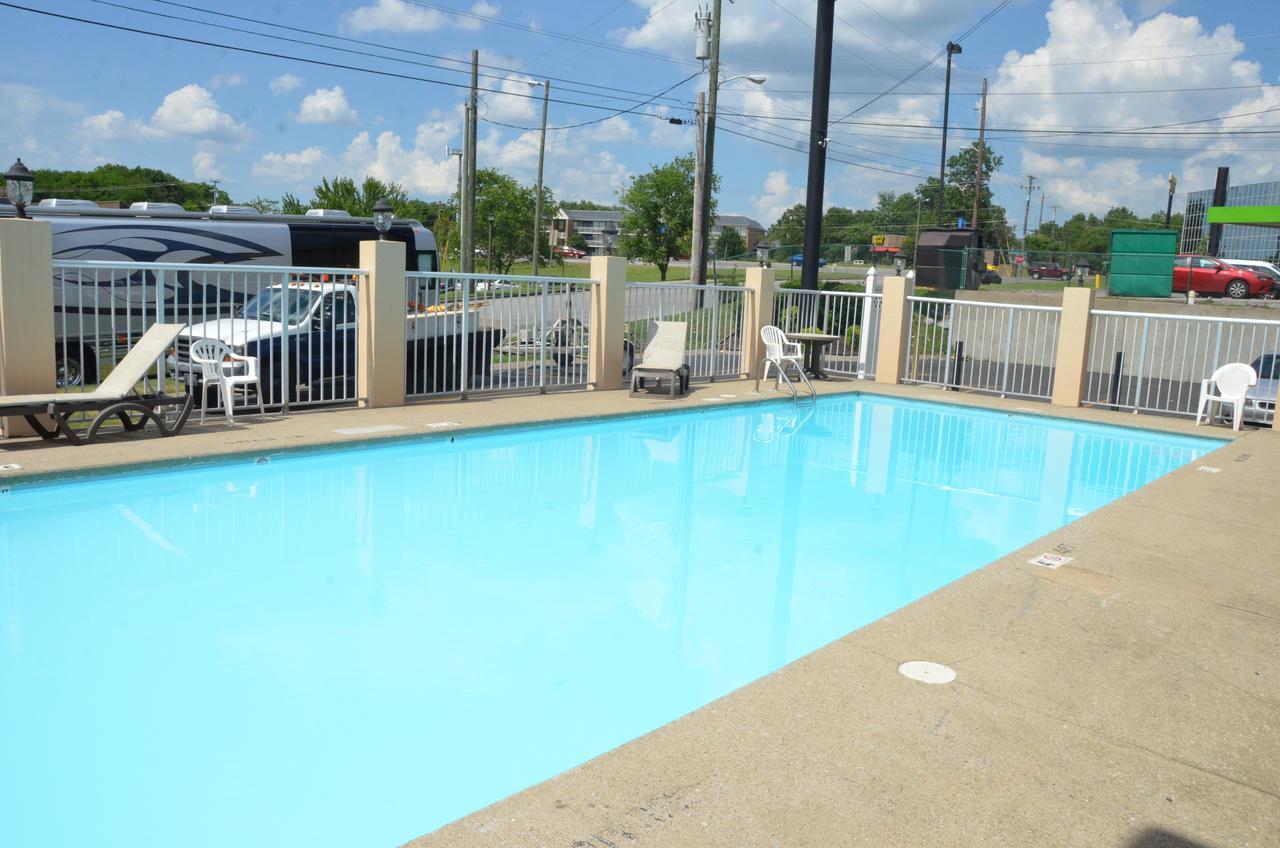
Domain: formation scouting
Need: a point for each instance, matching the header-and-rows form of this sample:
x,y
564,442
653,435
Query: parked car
x,y
570,252
1260,402
1048,271
1266,269
1206,275
798,259
495,285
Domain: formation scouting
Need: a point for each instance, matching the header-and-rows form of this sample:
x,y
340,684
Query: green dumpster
x,y
1142,263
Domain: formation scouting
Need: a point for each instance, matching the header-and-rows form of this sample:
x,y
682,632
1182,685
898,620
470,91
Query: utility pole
x,y
1026,216
1040,220
982,133
696,269
468,258
709,146
818,114
537,199
915,246
1055,208
952,49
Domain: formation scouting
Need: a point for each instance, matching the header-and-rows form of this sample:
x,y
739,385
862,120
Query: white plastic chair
x,y
218,364
1232,382
778,354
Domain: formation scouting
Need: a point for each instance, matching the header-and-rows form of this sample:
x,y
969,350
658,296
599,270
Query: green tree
x,y
660,221
587,204
343,193
511,205
265,205
787,233
125,185
730,244
291,205
578,240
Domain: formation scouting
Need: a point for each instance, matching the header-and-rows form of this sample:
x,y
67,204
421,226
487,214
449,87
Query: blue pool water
x,y
353,648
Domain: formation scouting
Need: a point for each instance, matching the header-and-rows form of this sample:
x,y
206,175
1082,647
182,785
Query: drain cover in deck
x,y
927,672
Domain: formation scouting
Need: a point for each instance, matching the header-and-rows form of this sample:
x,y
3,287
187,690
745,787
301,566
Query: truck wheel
x,y
1237,289
76,365
1035,275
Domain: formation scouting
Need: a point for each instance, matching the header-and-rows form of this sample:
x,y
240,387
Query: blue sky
x,y
81,95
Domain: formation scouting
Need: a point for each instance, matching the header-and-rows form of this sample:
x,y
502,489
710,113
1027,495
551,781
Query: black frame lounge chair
x,y
116,397
664,357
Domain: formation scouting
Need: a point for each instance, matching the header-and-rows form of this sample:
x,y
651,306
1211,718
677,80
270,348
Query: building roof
x,y
738,221
593,214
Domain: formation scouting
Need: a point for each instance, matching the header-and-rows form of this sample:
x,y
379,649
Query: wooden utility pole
x,y
697,269
818,115
467,261
537,200
982,133
709,146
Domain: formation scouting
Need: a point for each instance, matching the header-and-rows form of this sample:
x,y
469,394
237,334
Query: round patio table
x,y
813,343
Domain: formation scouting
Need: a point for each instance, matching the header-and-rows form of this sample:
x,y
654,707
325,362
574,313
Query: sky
x,y
1064,77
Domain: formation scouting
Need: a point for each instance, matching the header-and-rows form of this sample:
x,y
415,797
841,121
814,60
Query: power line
x,y
606,117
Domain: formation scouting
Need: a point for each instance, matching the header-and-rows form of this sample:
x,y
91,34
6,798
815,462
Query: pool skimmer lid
x,y
927,672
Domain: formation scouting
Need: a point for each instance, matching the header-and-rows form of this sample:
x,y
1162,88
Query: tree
x,y
730,243
124,185
660,221
788,231
511,205
579,241
291,205
265,205
343,193
588,204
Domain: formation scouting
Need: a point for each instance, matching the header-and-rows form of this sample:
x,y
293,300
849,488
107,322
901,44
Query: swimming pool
x,y
355,647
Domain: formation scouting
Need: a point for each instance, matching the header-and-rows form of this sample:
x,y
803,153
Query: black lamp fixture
x,y
382,213
20,185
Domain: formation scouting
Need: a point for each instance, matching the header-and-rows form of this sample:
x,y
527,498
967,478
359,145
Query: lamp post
x,y
952,49
21,186
489,252
382,213
762,253
1168,210
610,233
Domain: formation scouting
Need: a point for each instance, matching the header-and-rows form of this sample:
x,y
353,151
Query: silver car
x,y
1260,402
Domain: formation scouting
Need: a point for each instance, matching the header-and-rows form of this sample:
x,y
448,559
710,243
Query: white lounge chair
x,y
116,397
218,364
778,354
664,357
1232,382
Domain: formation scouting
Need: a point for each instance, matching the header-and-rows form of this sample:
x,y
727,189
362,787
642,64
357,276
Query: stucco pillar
x,y
608,322
895,331
1073,346
758,313
26,314
383,321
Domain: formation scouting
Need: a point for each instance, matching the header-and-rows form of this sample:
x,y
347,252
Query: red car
x,y
570,252
1049,271
1207,275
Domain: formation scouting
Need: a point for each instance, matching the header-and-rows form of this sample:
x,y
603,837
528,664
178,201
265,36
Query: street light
x,y
21,186
382,213
542,151
490,257
610,233
952,49
1168,210
762,253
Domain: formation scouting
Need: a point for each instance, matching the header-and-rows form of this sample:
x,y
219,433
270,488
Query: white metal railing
x,y
852,316
1003,348
1150,362
471,333
714,316
102,308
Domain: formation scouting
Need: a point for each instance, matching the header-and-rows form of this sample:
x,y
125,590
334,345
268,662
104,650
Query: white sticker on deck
x,y
1050,560
439,425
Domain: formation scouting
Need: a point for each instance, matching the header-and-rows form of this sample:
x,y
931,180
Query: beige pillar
x,y
383,320
759,313
26,314
895,331
1073,346
608,322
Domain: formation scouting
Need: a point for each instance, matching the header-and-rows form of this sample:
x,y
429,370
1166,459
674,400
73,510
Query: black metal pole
x,y
1168,212
946,114
817,143
1219,199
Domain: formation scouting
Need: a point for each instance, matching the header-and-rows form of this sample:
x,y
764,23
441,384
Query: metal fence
x,y
714,317
299,322
853,317
470,333
1151,362
1006,349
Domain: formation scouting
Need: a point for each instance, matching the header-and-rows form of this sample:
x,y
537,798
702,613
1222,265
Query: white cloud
x,y
227,80
292,169
615,130
111,125
776,196
326,106
191,112
402,16
427,172
284,83
205,166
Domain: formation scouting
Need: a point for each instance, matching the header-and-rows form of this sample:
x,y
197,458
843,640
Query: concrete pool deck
x,y
1130,698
